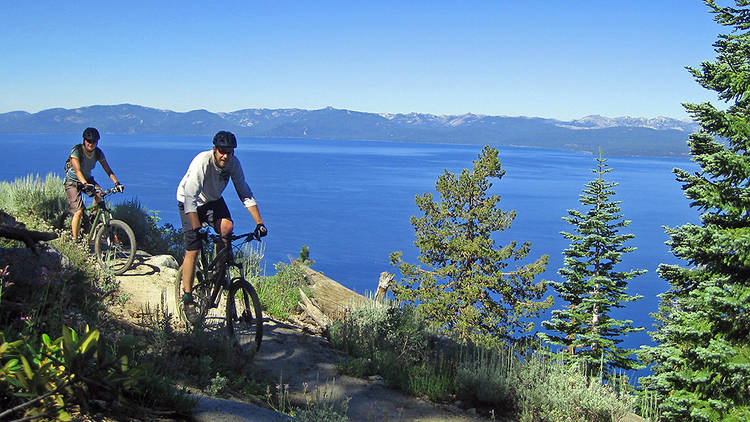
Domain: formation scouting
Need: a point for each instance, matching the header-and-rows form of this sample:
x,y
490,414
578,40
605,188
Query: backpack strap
x,y
79,149
81,153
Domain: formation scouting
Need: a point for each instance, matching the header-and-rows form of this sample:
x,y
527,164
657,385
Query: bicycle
x,y
213,277
114,240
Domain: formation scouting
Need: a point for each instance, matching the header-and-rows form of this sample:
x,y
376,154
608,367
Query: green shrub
x,y
434,382
76,371
546,389
32,197
395,342
133,213
206,360
209,360
251,255
538,387
279,294
374,328
40,295
304,256
148,235
485,376
647,404
321,406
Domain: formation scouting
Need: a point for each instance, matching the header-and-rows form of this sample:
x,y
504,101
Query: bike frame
x,y
217,270
102,215
100,210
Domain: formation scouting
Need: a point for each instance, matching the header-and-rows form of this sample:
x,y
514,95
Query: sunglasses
x,y
225,151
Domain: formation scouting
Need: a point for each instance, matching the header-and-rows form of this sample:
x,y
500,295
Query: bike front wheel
x,y
244,315
114,245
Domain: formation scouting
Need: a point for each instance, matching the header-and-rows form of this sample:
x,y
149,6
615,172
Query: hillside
x,y
292,354
628,136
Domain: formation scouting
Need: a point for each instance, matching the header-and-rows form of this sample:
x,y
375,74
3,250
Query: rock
x,y
48,248
25,267
377,380
164,261
213,409
169,273
631,417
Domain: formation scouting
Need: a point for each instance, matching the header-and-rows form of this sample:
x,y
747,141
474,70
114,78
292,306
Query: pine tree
x,y
592,286
464,286
701,363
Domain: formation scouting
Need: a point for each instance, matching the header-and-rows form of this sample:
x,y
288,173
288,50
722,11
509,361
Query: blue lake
x,y
350,201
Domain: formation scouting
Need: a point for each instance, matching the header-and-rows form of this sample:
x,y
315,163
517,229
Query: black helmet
x,y
225,139
91,134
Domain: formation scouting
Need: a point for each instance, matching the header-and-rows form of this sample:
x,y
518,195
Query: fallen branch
x,y
384,283
333,299
32,402
313,311
28,237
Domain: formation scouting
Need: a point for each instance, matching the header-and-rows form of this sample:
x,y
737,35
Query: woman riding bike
x,y
82,159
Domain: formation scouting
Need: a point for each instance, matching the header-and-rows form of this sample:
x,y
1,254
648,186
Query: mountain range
x,y
629,136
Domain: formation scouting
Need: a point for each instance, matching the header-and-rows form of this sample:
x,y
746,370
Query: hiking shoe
x,y
189,308
191,313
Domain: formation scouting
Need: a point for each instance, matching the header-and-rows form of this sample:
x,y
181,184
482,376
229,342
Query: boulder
x,y
164,261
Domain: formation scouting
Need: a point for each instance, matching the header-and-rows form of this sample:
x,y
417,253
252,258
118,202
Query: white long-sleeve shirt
x,y
205,181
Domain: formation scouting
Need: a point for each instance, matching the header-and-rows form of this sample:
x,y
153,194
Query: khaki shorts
x,y
73,192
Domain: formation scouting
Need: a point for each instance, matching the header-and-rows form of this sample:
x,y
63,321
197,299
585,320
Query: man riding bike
x,y
83,158
199,200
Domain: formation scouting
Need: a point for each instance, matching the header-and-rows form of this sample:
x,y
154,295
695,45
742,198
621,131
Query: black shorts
x,y
211,213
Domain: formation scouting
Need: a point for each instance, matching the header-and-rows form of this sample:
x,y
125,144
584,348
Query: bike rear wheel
x,y
244,315
114,245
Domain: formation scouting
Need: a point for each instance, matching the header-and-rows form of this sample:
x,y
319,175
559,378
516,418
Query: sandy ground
x,y
304,363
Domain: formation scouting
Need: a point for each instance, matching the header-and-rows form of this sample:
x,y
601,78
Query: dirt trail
x,y
299,360
144,284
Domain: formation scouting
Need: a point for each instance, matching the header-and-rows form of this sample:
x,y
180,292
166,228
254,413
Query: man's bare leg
x,y
188,270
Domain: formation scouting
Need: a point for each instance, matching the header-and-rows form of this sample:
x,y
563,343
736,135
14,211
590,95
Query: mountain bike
x,y
114,240
215,284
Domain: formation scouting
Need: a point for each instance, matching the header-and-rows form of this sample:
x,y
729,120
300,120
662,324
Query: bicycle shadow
x,y
140,267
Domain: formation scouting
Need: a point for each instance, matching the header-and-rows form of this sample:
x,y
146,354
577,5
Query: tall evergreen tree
x,y
701,363
464,285
592,286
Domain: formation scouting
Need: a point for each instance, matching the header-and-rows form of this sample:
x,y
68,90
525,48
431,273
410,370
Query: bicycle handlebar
x,y
101,191
109,191
248,236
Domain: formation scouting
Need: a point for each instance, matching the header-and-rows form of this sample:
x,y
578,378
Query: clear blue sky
x,y
562,59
